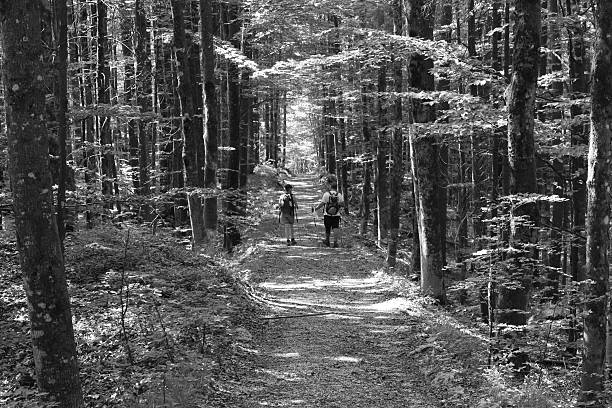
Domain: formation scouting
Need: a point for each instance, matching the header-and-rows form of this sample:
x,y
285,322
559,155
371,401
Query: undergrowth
x,y
181,315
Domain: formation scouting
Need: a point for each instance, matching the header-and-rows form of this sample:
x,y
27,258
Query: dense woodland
x,y
471,139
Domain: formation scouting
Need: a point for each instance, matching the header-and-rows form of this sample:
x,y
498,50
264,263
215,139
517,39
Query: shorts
x,y
287,219
331,222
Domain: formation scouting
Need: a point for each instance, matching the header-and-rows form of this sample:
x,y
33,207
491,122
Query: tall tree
x,y
428,160
513,294
367,162
598,212
38,241
578,87
211,109
90,162
233,94
104,98
191,134
143,94
61,27
382,151
397,143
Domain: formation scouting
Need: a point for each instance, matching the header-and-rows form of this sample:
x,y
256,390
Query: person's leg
x,y
336,231
287,232
292,230
327,222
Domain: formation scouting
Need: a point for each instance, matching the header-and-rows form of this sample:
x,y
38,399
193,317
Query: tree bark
x,y
397,144
598,213
382,151
341,154
143,95
38,241
577,89
211,109
104,98
367,162
61,23
128,92
90,162
513,294
428,160
191,133
557,209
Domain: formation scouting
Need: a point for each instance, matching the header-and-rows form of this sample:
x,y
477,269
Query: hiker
x,y
331,201
287,214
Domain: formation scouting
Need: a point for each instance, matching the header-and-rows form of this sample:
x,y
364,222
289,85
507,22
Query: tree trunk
x,y
61,22
212,121
428,159
90,163
382,150
496,21
104,95
557,209
397,144
191,133
598,213
578,89
329,110
367,162
513,294
507,38
143,96
341,154
471,30
38,241
128,88
284,158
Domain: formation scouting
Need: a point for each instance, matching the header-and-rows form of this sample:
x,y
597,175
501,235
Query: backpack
x,y
332,207
286,206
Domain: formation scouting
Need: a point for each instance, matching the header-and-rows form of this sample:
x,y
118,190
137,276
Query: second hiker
x,y
288,213
331,202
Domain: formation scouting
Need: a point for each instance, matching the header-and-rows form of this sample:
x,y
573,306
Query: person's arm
x,y
322,203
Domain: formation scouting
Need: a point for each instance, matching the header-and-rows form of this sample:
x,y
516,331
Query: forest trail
x,y
335,332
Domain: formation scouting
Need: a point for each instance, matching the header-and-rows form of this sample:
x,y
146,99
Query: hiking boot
x,y
288,243
336,245
293,242
326,243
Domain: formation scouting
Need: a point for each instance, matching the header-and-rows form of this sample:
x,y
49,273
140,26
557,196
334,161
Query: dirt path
x,y
335,332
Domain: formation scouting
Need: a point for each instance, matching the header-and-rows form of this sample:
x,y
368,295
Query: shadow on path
x,y
336,332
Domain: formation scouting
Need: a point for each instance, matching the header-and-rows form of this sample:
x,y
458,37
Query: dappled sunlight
x,y
248,350
398,304
286,355
283,404
346,283
392,329
346,359
334,316
302,257
287,375
303,303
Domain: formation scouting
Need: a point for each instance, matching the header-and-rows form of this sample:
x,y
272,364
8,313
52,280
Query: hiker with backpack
x,y
332,201
287,214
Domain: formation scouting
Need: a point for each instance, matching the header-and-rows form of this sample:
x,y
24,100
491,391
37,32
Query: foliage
x,y
183,309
